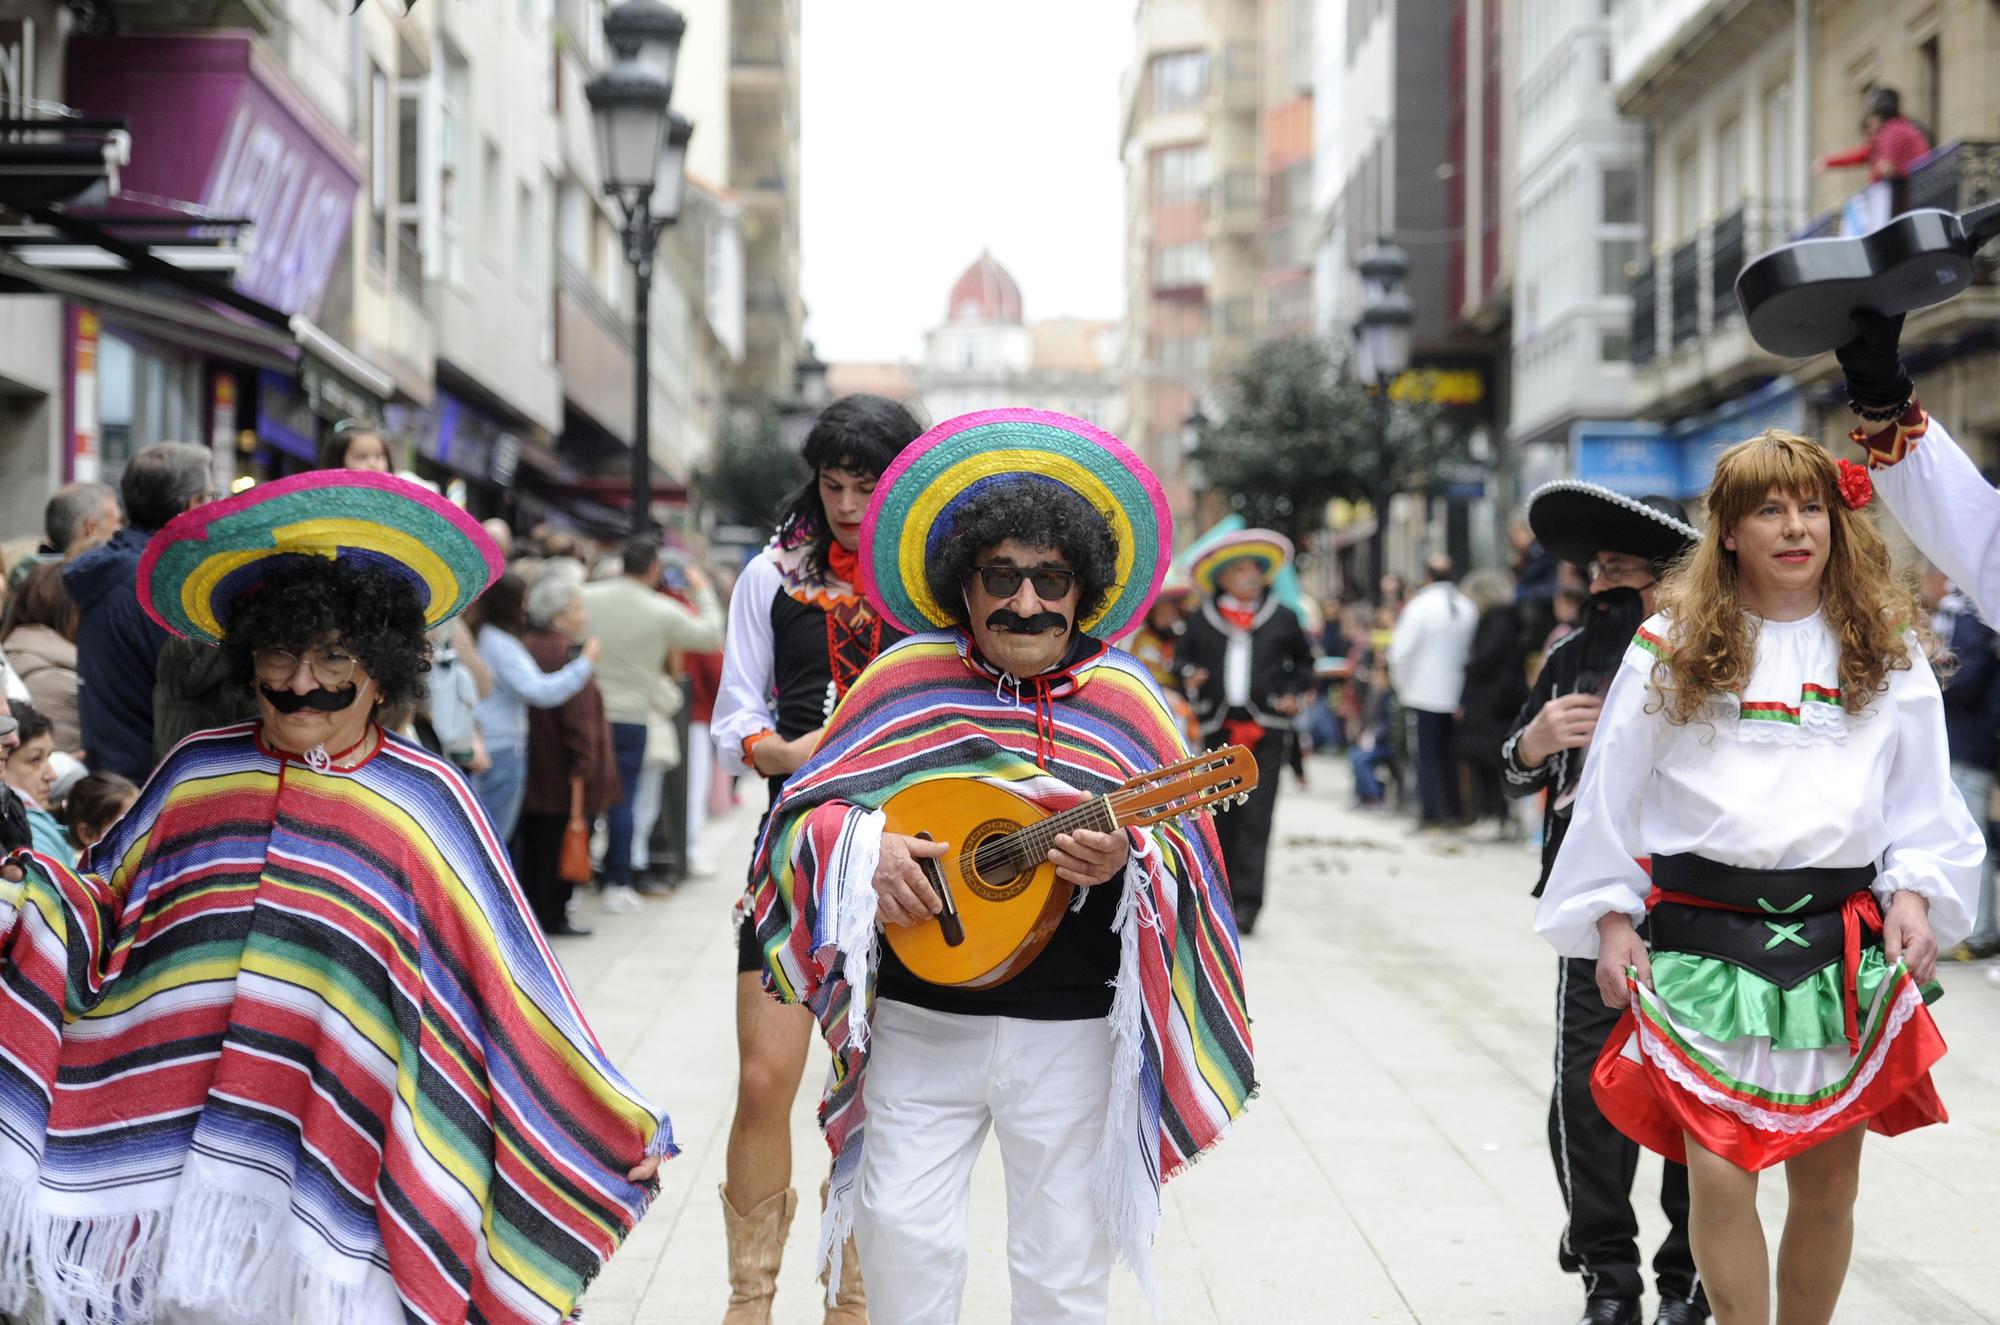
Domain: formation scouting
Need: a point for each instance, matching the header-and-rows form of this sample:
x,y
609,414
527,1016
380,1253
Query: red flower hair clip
x,y
1856,488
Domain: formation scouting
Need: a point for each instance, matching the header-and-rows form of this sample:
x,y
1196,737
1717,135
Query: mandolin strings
x,y
1026,846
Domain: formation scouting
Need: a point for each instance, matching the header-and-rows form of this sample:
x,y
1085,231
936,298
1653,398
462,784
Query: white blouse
x,y
1950,512
1780,778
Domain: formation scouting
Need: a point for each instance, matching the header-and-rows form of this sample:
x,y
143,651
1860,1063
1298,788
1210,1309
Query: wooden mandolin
x,y
1002,899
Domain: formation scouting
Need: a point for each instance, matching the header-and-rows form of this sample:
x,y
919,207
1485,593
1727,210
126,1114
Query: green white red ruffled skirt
x,y
1758,1074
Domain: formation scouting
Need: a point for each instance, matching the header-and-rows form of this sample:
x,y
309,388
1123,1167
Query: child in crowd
x,y
93,805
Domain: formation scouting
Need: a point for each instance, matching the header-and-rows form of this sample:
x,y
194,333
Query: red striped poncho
x,y
929,708
294,1050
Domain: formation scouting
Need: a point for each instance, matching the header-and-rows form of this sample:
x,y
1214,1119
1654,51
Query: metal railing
x,y
1684,292
1695,284
1645,315
757,170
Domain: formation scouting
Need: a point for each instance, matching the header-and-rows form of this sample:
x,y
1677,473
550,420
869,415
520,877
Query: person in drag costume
x,y
1773,744
1011,543
800,633
288,1047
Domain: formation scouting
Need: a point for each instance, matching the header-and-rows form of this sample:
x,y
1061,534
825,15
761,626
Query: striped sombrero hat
x,y
911,513
196,568
1271,550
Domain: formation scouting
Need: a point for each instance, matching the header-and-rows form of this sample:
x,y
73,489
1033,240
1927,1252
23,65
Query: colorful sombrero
x,y
1271,550
911,513
194,570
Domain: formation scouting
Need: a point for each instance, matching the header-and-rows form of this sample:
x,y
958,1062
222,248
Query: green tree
x,y
753,473
1298,429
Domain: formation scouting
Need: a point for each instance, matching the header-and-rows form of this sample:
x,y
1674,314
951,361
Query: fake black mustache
x,y
319,701
1027,625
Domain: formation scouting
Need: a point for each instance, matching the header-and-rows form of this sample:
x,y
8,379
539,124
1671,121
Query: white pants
x,y
934,1083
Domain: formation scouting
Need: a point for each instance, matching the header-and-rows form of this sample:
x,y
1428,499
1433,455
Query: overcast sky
x,y
933,128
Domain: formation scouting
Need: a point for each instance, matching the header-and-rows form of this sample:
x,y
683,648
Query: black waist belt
x,y
1784,925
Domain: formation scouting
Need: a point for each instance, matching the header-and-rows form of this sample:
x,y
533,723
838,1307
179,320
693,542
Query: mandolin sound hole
x,y
996,873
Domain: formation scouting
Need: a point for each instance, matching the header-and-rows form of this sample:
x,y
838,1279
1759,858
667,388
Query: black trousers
x,y
1437,768
538,859
1245,831
1595,1163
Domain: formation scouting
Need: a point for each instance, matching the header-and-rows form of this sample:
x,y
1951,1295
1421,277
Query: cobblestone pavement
x,y
1394,1167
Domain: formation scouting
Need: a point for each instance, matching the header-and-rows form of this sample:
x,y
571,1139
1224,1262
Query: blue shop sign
x,y
1633,457
1643,459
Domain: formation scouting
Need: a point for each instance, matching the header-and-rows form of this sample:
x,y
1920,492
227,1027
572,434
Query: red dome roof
x,y
985,293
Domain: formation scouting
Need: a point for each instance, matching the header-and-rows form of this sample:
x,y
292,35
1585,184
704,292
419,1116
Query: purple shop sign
x,y
214,121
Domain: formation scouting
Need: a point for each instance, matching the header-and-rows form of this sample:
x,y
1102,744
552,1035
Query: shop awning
x,y
176,318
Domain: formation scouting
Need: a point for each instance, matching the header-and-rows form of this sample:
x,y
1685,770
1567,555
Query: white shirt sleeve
x,y
1934,849
1597,870
743,703
1950,513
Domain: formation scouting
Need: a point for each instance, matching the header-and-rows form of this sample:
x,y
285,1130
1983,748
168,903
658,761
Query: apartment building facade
x,y
1189,138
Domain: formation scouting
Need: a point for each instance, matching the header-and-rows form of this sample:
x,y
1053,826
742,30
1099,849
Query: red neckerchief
x,y
843,565
1243,618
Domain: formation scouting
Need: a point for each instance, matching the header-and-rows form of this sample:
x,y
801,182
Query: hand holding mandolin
x,y
903,896
1087,859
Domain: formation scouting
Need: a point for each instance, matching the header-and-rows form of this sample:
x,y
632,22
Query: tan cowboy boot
x,y
850,1304
756,1246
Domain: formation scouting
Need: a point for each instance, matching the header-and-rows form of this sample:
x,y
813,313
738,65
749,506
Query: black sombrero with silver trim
x,y
1576,520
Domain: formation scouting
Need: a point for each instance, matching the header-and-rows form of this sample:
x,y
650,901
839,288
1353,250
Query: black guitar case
x,y
1798,299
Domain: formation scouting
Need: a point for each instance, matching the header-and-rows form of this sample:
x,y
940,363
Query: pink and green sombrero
x,y
911,514
196,568
1268,548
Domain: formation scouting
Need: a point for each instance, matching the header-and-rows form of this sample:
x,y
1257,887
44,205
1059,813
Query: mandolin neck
x,y
1034,841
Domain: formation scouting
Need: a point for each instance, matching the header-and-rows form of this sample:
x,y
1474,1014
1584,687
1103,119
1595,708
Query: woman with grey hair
x,y
572,777
1496,685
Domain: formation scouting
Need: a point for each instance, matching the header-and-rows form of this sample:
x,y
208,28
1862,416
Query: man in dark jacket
x,y
1622,544
117,644
1971,728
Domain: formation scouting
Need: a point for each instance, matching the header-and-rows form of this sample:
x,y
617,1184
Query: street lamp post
x,y
642,155
1382,337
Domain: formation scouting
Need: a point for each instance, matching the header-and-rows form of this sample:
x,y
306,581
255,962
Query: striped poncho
x,y
929,707
294,1051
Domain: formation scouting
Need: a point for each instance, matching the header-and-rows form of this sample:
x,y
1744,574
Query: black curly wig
x,y
858,434
1038,514
302,600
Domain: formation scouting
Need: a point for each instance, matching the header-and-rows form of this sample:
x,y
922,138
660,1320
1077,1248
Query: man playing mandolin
x,y
1011,543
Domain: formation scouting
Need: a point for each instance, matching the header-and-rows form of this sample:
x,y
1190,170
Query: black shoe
x,y
649,886
1681,1313
564,929
1610,1311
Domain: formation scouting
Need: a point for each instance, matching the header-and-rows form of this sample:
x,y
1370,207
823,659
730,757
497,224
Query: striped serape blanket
x,y
930,707
291,1049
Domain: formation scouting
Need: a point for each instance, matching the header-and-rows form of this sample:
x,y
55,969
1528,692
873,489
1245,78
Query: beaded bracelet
x,y
1890,445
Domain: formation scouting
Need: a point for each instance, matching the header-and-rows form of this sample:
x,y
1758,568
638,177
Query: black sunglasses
x,y
1051,582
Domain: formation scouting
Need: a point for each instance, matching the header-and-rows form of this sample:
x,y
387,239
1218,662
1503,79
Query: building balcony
x,y
1234,209
757,50
760,177
1688,340
1665,52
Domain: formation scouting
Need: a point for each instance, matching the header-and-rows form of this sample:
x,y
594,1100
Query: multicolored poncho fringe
x,y
930,708
292,1050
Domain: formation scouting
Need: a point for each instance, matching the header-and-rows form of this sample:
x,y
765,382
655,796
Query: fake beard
x,y
319,701
1610,619
1015,623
